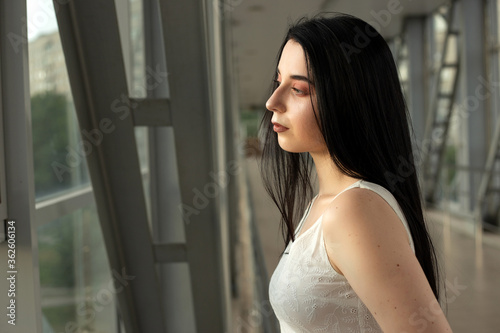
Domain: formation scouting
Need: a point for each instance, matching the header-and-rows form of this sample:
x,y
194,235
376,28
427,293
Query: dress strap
x,y
347,188
299,227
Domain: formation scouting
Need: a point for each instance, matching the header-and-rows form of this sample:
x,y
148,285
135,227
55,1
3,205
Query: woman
x,y
360,259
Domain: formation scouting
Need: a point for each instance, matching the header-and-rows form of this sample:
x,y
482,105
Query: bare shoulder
x,y
359,207
361,220
366,241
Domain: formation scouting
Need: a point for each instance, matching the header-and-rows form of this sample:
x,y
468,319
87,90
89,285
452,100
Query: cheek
x,y
305,137
316,134
307,134
310,126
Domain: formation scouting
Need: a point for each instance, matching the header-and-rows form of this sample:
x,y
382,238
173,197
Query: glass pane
x,y
448,75
138,88
451,52
403,72
443,107
76,285
136,70
141,136
59,154
404,51
77,288
403,69
439,26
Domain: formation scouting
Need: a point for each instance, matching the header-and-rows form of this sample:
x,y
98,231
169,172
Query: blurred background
x,y
130,151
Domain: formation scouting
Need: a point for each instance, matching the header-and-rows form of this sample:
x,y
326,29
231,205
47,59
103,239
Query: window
x,y
77,288
451,174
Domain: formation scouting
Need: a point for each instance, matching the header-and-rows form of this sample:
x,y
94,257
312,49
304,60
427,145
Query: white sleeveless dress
x,y
308,295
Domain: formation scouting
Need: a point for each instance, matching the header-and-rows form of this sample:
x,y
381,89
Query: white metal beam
x,y
91,43
22,278
64,204
151,112
187,50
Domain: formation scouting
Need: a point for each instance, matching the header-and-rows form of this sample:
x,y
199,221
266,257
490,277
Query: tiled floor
x,y
472,277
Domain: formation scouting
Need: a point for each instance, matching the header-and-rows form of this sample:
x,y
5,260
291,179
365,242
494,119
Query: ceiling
x,y
260,25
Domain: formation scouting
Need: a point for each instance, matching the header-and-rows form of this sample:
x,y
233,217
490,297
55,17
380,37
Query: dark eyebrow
x,y
302,78
299,77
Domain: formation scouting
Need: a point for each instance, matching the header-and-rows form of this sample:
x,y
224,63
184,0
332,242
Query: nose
x,y
275,103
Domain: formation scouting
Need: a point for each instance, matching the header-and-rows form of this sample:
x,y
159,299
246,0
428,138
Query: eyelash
x,y
297,91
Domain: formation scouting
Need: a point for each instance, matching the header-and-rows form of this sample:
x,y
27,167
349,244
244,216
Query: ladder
x,y
91,43
441,108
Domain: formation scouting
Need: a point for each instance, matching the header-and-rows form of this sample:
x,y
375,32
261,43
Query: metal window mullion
x,y
167,223
64,204
214,14
3,190
19,171
234,142
185,36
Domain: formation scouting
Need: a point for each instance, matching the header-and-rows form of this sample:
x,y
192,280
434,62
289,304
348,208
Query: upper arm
x,y
366,242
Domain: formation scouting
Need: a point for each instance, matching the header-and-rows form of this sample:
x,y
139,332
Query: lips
x,y
278,128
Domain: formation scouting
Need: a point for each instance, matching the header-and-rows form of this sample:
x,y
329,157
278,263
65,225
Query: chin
x,y
303,147
291,148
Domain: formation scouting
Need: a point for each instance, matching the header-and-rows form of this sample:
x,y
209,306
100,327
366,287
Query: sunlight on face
x,y
293,118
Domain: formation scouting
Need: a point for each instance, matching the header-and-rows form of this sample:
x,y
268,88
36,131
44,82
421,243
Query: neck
x,y
331,179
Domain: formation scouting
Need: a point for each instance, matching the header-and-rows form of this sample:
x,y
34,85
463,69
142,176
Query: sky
x,y
41,17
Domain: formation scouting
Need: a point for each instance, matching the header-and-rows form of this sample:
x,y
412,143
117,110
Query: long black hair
x,y
364,120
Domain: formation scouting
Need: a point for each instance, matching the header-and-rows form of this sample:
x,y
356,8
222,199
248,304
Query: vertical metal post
x,y
223,168
167,220
234,143
202,186
472,105
414,28
19,173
